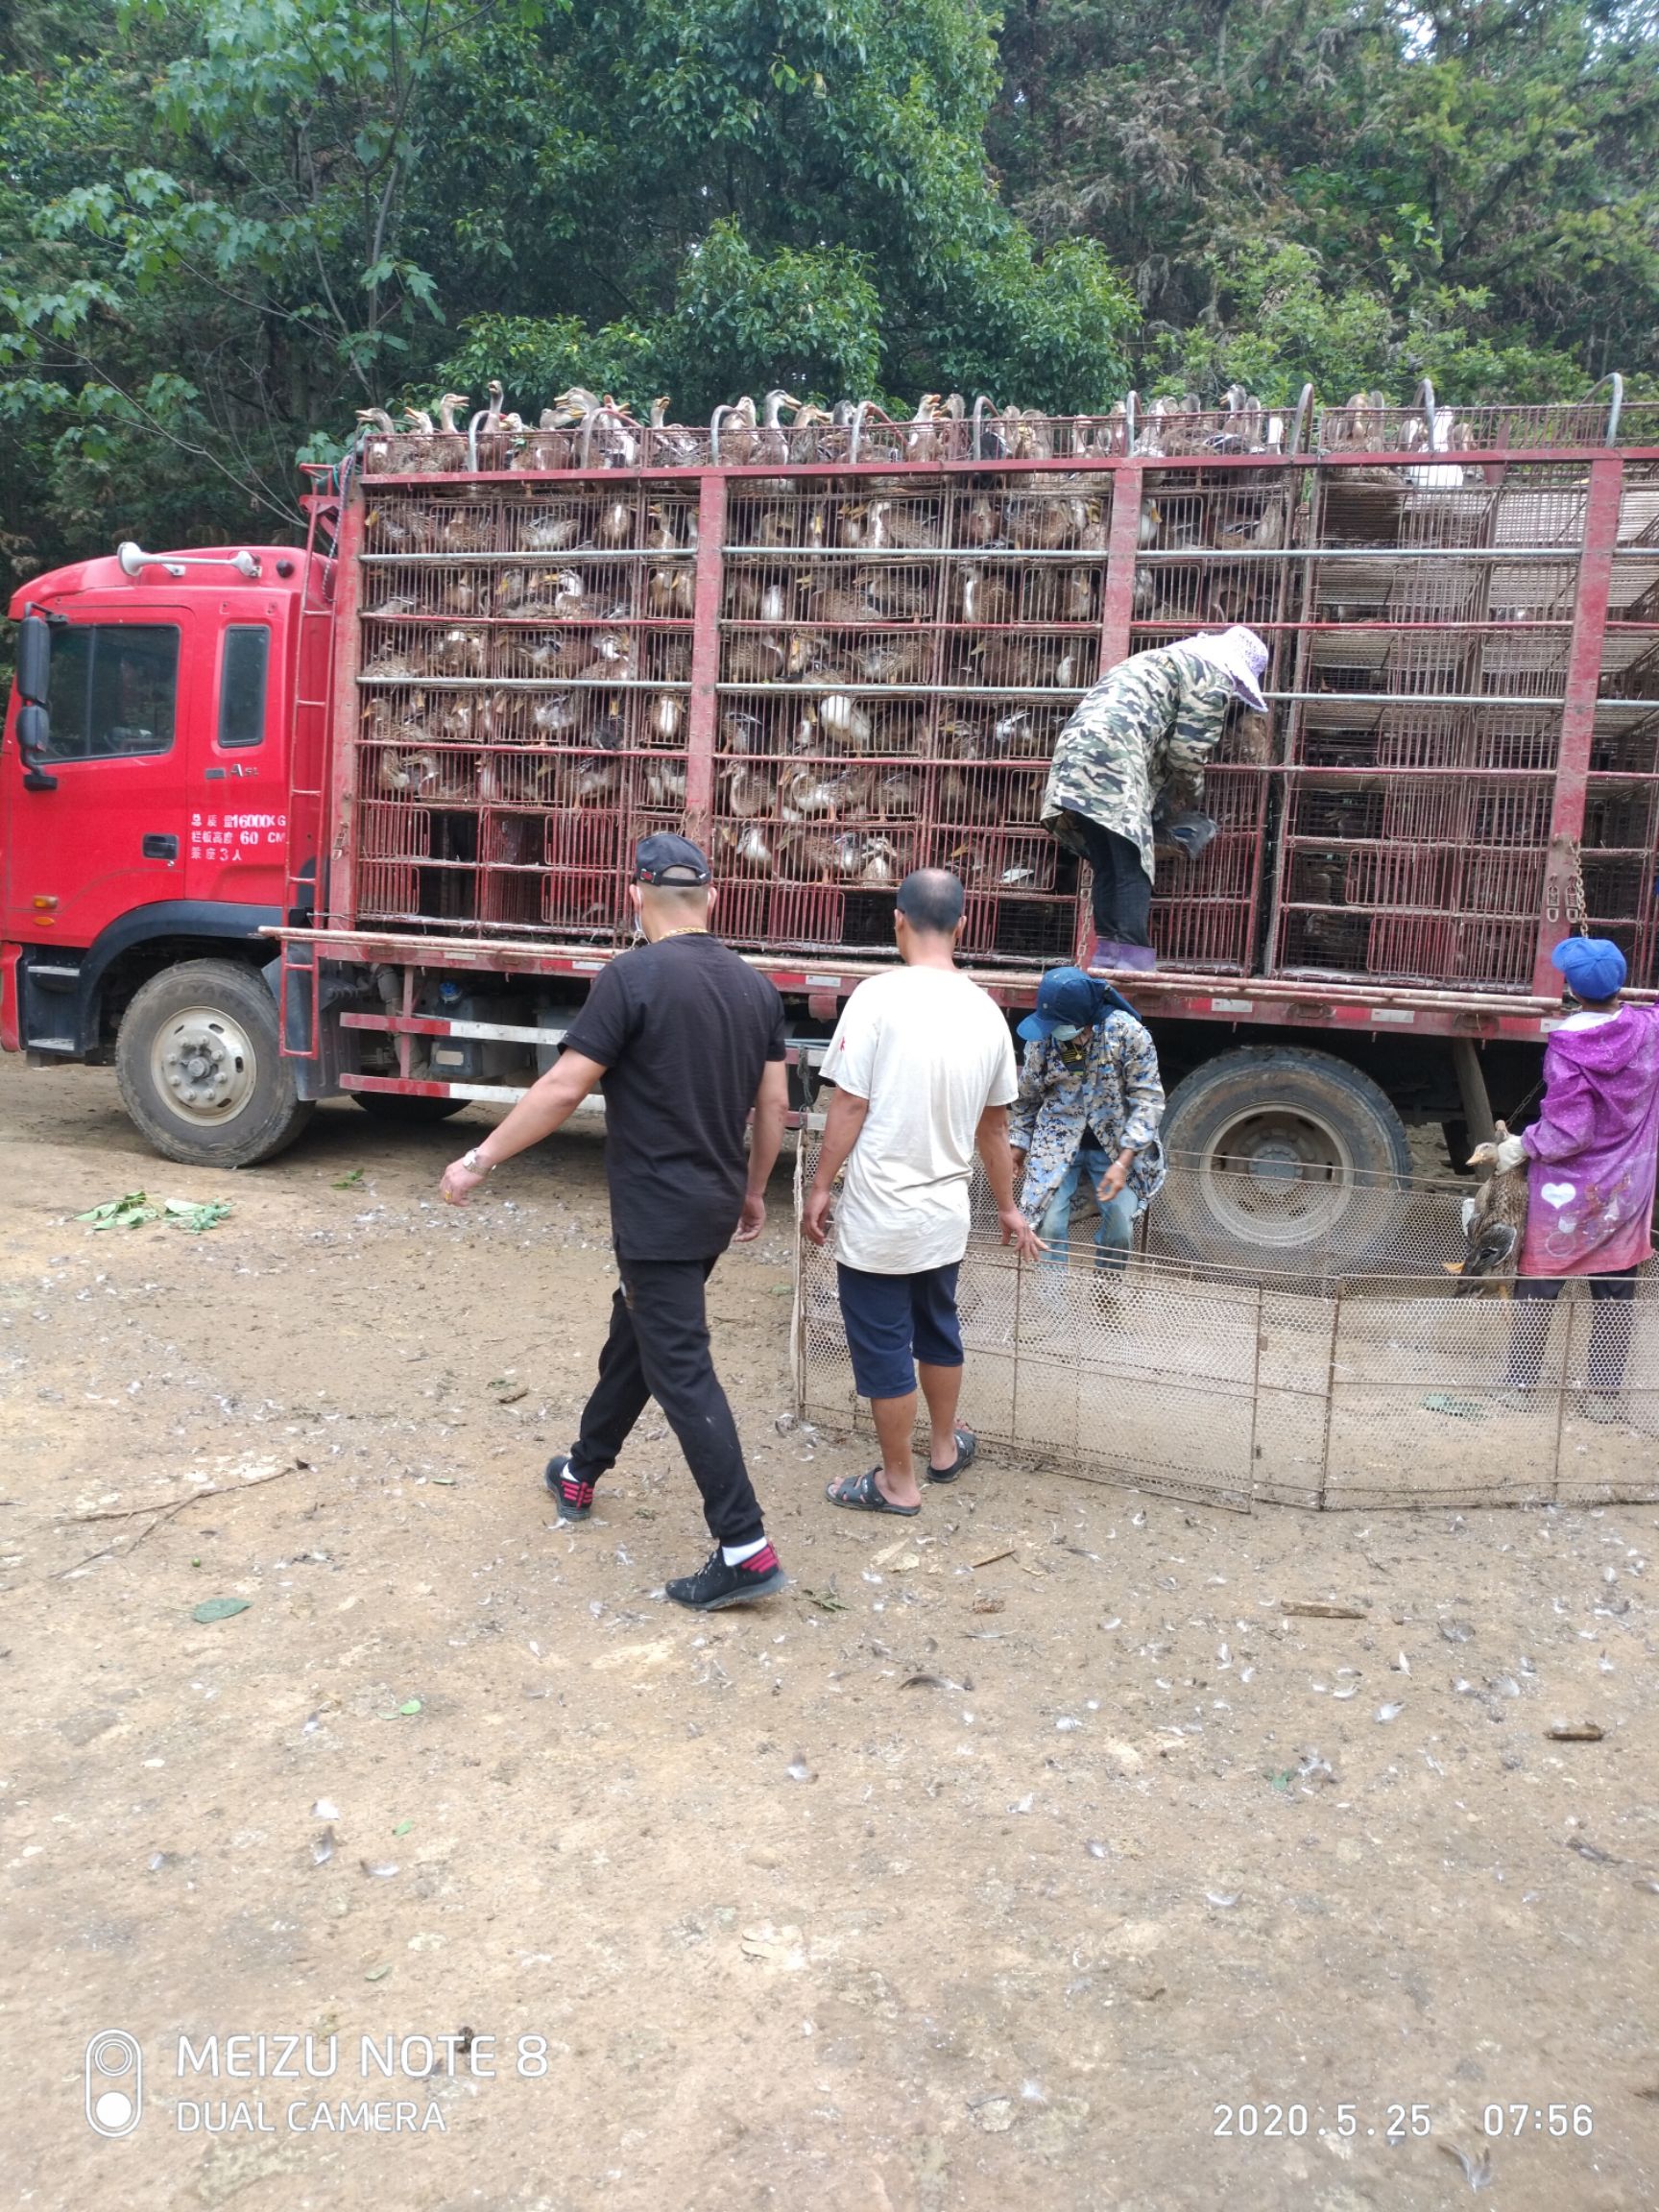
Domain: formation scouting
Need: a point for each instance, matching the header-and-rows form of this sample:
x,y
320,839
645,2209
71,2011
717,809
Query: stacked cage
x,y
1427,661
1213,551
1622,798
897,656
524,665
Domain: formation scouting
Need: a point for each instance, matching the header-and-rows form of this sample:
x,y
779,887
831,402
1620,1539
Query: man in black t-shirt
x,y
683,1038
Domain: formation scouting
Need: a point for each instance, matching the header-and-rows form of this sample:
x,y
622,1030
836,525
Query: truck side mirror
x,y
34,659
34,733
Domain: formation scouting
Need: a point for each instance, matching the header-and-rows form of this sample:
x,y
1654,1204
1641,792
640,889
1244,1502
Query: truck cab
x,y
144,831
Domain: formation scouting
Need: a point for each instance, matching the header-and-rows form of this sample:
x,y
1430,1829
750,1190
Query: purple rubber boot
x,y
1109,953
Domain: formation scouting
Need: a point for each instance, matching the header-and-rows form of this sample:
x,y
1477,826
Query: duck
x,y
560,716
733,433
666,717
742,733
663,784
1044,521
465,530
892,659
1494,1220
843,720
550,529
459,653
376,449
749,792
752,657
670,442
837,601
672,591
772,440
383,723
979,523
986,594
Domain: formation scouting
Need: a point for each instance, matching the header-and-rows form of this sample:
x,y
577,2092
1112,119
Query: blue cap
x,y
1065,998
1593,967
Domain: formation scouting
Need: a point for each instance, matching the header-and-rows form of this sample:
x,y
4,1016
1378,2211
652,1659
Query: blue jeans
x,y
1115,1235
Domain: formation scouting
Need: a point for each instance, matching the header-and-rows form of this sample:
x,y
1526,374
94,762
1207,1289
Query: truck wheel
x,y
200,1074
1280,1155
400,1106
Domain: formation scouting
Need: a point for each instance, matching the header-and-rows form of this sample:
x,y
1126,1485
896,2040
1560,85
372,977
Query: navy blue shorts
x,y
891,1318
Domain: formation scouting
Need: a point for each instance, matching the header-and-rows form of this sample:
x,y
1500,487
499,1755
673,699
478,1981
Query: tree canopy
x,y
229,224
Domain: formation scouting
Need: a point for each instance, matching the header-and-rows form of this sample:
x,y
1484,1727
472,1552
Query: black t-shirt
x,y
682,1029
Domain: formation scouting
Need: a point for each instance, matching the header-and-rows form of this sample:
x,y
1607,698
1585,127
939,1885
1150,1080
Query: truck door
x,y
112,833
238,818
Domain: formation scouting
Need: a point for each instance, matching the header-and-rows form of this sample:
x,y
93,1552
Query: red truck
x,y
283,823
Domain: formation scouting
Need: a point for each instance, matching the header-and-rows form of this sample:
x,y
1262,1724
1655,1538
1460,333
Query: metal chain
x,y
1578,917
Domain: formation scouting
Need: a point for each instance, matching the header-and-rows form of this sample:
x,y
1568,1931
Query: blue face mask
x,y
1062,1032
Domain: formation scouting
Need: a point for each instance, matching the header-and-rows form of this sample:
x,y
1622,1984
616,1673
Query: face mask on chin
x,y
1062,1032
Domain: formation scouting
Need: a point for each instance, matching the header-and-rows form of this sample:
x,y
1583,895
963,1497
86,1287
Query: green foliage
x,y
227,225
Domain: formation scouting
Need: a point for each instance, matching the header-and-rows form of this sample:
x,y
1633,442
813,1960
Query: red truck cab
x,y
144,818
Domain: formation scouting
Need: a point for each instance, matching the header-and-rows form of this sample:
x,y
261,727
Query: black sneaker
x,y
575,1496
714,1586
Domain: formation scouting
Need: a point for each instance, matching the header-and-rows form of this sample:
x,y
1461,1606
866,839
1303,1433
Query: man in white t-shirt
x,y
922,1066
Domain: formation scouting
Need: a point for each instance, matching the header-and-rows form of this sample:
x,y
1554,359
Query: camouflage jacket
x,y
1108,1082
1146,727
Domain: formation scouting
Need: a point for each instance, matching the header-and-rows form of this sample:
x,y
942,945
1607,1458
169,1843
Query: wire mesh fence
x,y
1301,1387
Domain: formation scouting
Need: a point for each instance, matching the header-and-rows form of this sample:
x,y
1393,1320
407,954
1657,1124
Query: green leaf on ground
x,y
410,1705
185,1214
131,1212
352,1180
219,1608
827,1600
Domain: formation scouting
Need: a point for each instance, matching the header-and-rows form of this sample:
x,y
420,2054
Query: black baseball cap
x,y
667,860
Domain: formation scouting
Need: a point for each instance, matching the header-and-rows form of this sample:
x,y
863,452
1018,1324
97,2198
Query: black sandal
x,y
862,1494
966,1445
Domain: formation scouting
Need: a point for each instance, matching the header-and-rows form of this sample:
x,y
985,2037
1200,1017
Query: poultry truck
x,y
283,823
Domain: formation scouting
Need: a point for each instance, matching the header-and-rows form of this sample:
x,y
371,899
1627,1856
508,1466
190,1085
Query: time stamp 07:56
x,y
1395,2122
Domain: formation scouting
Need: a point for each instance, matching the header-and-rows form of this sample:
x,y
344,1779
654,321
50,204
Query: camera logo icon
x,y
114,2076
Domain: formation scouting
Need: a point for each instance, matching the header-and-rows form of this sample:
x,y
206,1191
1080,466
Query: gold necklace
x,y
691,930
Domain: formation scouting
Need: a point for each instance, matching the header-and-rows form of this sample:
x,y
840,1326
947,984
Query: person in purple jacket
x,y
1591,1162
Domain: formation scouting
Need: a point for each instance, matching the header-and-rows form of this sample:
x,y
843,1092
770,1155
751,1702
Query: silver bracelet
x,y
475,1166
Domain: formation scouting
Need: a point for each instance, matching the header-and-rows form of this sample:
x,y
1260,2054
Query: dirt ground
x,y
943,1881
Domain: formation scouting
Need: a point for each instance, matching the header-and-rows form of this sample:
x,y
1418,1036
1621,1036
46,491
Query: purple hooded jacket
x,y
1593,1148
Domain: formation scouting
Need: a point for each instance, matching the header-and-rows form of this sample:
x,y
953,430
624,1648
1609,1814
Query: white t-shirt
x,y
931,1052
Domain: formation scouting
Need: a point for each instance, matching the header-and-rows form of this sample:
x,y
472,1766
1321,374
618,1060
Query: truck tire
x,y
1280,1157
201,1072
411,1112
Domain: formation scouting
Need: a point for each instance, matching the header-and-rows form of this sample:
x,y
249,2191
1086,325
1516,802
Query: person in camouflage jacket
x,y
1090,1104
1136,743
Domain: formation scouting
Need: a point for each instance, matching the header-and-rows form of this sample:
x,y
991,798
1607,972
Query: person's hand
x,y
459,1183
1018,1232
752,1218
1016,1153
1511,1153
1112,1183
816,1218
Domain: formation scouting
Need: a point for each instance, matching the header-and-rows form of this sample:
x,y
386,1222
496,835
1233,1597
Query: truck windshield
x,y
113,690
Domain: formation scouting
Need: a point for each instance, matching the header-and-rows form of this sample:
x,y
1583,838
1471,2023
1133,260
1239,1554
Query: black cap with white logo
x,y
670,861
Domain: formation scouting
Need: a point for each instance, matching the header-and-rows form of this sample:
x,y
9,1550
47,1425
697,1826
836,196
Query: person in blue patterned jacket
x,y
1090,1104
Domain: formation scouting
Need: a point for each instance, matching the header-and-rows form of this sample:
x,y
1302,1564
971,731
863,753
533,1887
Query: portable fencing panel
x,y
1318,1389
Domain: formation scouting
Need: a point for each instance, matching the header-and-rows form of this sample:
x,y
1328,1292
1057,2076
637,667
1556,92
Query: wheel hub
x,y
1276,1176
204,1064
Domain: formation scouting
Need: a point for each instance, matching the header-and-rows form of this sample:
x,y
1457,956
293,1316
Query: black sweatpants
x,y
1122,888
658,1348
1610,1317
